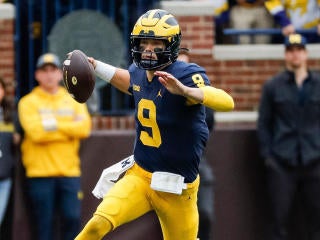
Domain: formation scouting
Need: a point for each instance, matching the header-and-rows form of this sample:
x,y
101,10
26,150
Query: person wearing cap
x,y
9,142
289,136
53,124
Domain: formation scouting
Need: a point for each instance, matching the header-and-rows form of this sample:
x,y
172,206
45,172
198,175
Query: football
x,y
78,76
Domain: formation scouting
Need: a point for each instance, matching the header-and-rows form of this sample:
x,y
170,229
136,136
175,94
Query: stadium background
x,y
241,70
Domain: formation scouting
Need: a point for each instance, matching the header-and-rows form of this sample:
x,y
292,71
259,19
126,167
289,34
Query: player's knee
x,y
101,223
98,226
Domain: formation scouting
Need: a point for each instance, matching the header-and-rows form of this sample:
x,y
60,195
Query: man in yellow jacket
x,y
53,124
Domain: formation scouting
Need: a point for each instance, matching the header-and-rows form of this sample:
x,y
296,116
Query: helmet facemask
x,y
159,25
163,56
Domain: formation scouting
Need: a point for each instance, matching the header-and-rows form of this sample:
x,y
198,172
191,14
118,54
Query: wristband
x,y
105,71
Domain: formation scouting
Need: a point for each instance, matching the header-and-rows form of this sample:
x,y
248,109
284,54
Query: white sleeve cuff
x,y
105,71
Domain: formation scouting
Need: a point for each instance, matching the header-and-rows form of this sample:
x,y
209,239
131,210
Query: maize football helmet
x,y
161,25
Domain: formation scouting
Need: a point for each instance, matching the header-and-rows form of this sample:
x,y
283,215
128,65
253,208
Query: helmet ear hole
x,y
161,25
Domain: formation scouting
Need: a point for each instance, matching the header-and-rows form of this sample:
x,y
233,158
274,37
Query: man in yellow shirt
x,y
53,124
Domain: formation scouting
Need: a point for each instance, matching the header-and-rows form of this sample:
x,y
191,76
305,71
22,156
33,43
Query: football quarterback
x,y
170,98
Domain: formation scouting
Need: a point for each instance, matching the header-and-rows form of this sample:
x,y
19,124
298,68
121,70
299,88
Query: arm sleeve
x,y
277,10
217,99
214,98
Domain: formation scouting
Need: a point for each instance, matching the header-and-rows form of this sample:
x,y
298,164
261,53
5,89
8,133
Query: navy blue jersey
x,y
171,134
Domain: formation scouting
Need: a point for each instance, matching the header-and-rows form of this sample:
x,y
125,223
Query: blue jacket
x,y
288,123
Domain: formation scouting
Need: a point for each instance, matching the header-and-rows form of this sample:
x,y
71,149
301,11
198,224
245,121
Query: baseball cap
x,y
48,58
295,40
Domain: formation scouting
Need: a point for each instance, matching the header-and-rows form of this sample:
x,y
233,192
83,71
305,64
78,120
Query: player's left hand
x,y
172,84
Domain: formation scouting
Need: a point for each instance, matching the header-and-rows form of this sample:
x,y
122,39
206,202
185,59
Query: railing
x,y
268,31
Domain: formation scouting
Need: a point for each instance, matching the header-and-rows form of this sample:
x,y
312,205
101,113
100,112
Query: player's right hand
x,y
92,61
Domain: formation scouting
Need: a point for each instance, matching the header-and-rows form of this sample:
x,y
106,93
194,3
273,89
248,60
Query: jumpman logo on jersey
x,y
159,93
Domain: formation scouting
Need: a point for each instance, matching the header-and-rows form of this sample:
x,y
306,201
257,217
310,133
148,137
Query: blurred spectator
x,y
296,15
221,20
206,191
8,142
251,14
241,14
53,124
289,135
